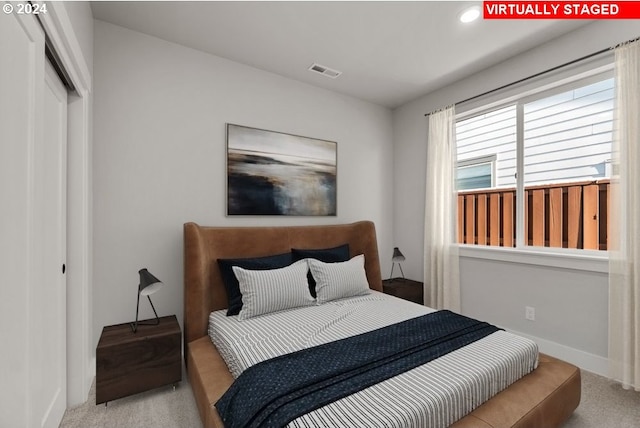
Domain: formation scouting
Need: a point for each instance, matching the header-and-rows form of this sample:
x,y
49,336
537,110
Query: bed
x,y
544,398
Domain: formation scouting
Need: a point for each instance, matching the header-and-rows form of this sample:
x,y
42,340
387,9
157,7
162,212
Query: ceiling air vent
x,y
325,71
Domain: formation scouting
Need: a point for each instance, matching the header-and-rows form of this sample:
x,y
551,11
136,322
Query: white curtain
x,y
441,268
624,239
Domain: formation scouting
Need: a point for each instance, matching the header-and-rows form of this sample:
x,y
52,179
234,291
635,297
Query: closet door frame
x,y
21,110
80,340
21,113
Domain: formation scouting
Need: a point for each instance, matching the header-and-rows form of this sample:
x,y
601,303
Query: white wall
x,y
571,305
159,158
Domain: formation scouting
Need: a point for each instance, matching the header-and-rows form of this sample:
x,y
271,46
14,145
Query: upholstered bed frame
x,y
545,398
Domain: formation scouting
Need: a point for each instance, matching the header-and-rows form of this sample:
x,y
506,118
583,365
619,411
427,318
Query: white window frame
x,y
579,259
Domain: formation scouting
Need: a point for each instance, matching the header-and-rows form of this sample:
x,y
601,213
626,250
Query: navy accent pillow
x,y
327,255
234,297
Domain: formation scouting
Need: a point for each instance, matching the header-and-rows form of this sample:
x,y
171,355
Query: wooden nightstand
x,y
405,289
128,363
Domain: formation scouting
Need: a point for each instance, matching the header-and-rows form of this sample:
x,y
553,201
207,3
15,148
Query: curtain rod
x,y
566,64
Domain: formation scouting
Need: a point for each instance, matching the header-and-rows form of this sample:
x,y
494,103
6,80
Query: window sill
x,y
591,261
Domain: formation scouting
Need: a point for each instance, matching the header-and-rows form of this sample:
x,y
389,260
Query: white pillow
x,y
338,280
272,290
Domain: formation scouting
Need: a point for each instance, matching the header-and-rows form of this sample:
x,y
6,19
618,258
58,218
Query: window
x,y
542,163
477,173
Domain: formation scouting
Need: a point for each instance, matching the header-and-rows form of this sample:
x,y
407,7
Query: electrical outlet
x,y
530,313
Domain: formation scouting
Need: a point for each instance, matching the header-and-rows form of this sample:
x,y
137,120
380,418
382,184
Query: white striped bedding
x,y
435,394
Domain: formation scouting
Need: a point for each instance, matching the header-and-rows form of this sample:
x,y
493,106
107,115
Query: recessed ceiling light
x,y
470,14
325,71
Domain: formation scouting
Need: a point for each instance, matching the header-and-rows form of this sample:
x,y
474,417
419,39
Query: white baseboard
x,y
590,362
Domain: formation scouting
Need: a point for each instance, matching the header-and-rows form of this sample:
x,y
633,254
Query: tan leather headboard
x,y
203,246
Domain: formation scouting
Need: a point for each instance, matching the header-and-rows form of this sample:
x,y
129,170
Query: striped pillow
x,y
265,291
340,279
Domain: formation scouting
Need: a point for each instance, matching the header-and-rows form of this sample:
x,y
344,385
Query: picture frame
x,y
277,173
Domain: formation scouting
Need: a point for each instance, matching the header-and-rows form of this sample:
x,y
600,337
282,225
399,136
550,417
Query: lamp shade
x,y
397,256
149,284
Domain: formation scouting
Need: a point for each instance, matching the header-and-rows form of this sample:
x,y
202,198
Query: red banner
x,y
561,10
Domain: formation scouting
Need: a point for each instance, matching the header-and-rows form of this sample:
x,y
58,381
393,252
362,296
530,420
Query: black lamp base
x,y
134,325
400,266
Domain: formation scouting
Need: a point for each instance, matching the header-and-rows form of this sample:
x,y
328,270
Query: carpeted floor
x,y
159,408
604,405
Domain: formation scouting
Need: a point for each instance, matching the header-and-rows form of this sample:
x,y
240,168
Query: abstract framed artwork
x,y
275,173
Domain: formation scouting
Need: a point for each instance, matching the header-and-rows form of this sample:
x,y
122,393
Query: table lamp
x,y
149,284
397,258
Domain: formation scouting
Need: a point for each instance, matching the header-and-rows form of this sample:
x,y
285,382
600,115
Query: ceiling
x,y
388,52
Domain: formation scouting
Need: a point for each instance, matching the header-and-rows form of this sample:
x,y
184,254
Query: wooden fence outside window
x,y
566,215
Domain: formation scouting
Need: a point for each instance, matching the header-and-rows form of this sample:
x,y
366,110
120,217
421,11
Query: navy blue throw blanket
x,y
276,391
